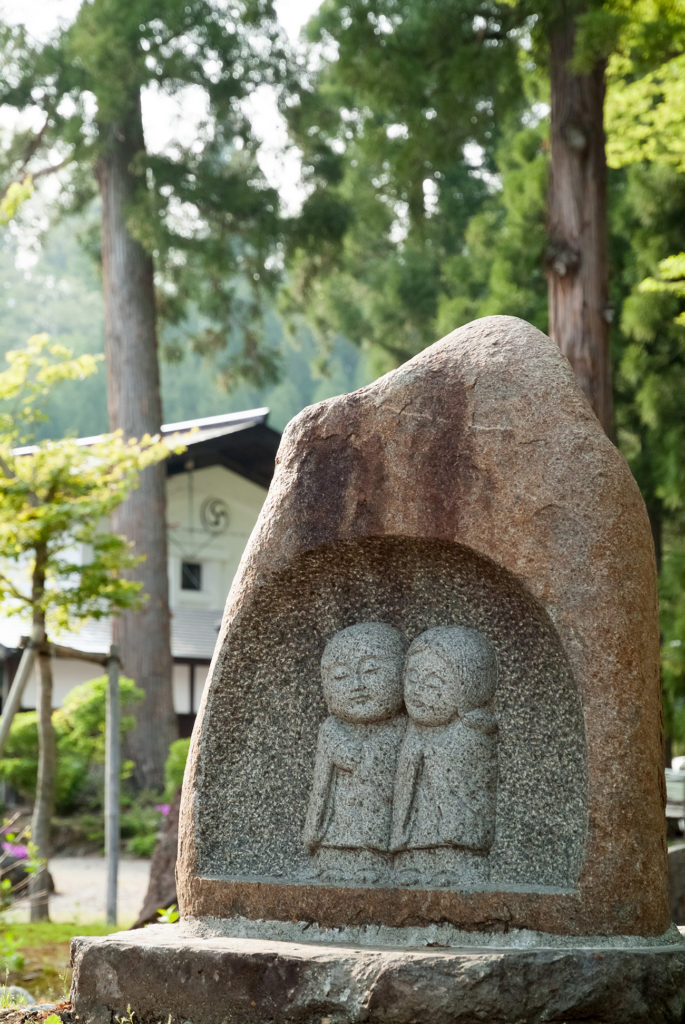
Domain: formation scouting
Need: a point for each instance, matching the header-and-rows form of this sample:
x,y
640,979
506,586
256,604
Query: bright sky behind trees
x,y
165,117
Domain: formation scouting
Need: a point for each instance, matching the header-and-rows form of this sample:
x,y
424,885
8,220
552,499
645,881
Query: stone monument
x,y
426,780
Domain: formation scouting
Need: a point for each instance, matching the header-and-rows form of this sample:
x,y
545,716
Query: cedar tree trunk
x,y
577,269
134,403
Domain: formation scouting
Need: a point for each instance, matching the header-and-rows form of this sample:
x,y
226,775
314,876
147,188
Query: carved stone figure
x,y
348,820
445,790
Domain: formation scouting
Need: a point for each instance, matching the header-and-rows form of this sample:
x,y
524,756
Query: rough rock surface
x,y
165,974
676,883
161,890
471,486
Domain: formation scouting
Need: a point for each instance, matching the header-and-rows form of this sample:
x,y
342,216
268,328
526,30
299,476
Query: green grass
x,y
43,933
45,947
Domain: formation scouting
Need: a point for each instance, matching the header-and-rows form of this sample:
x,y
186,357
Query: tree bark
x,y
47,751
577,262
134,404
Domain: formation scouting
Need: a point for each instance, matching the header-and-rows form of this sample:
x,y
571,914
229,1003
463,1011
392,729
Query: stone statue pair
x,y
405,776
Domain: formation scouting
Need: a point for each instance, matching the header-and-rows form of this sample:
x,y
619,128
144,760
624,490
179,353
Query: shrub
x,y
140,825
19,764
80,736
175,766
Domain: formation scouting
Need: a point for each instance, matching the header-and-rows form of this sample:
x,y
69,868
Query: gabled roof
x,y
239,441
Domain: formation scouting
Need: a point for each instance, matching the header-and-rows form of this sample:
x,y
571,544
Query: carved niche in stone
x,y
405,776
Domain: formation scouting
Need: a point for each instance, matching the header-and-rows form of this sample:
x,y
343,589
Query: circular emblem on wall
x,y
214,516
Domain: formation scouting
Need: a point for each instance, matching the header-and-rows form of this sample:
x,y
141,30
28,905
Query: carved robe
x,y
351,800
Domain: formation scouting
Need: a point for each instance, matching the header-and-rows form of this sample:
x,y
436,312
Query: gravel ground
x,y
80,890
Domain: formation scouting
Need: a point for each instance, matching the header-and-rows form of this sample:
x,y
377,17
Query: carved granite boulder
x,y
435,696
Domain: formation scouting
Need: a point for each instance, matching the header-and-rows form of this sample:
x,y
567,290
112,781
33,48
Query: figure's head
x,y
361,669
449,671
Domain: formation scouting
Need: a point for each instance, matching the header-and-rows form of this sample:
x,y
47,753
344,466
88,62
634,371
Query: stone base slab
x,y
166,973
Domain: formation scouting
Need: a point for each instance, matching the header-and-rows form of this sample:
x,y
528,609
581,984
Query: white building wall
x,y
190,541
66,674
180,681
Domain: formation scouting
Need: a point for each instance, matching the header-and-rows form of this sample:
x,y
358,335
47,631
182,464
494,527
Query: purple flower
x,y
16,850
163,808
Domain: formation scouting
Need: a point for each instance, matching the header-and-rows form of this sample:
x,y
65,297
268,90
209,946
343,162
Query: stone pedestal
x,y
167,973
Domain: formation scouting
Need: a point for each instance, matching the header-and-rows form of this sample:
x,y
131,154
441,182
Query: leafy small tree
x,y
79,726
58,561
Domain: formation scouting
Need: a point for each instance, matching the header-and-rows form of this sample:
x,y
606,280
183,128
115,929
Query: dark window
x,y
191,576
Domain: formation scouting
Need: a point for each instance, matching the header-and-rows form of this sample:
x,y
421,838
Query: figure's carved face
x,y
362,676
431,687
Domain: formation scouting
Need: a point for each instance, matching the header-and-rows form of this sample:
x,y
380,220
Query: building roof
x,y
240,441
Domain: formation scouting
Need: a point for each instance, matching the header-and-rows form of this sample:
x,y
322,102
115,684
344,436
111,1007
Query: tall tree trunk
x,y
134,402
44,805
577,267
47,751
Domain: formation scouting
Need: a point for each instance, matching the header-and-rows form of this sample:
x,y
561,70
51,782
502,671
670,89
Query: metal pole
x,y
112,775
18,686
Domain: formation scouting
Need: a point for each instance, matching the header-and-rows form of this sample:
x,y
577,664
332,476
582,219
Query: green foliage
x,y
672,607
11,951
168,915
175,766
193,386
80,733
11,956
13,199
670,280
140,824
651,370
200,205
645,107
82,715
646,117
70,308
71,305
19,763
500,269
54,497
647,210
399,132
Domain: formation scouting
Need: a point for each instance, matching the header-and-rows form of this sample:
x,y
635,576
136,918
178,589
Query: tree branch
x,y
59,651
30,151
51,168
13,590
7,469
35,141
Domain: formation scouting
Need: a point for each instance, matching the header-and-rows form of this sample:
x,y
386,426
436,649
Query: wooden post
x,y
18,686
112,776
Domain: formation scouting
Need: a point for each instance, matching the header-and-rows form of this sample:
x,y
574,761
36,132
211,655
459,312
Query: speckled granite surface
x,y
473,486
